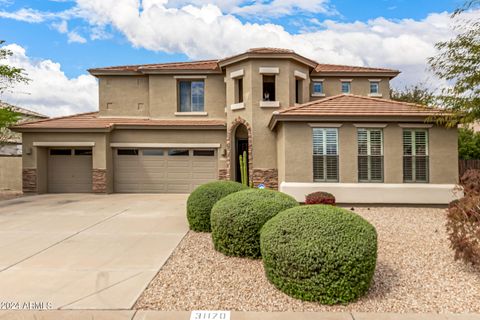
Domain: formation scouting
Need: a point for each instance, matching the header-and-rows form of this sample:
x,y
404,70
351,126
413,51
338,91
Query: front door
x,y
242,145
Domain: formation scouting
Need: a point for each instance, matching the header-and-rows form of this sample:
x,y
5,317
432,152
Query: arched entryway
x,y
240,146
239,139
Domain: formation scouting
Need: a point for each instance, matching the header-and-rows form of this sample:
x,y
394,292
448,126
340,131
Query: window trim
x,y
324,154
414,156
190,79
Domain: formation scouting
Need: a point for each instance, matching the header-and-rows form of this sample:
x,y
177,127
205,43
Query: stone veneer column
x,y
29,180
99,180
269,177
222,174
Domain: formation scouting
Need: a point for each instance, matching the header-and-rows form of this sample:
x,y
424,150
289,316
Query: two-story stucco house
x,y
305,126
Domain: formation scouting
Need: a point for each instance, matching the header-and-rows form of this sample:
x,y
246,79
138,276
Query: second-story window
x,y
346,86
298,90
268,88
191,95
374,87
317,87
239,90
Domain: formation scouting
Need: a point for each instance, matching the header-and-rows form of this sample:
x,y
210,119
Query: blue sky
x,y
72,36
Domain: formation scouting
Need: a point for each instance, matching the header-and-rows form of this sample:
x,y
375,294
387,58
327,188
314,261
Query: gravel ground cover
x,y
415,273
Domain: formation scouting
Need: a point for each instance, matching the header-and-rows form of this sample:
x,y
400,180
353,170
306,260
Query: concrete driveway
x,y
85,251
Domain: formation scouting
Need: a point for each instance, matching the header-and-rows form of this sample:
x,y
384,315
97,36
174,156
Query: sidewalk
x,y
174,315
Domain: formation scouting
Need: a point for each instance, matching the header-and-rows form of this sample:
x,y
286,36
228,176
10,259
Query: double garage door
x,y
163,170
135,170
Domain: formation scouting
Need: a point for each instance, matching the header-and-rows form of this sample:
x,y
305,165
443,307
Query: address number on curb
x,y
210,315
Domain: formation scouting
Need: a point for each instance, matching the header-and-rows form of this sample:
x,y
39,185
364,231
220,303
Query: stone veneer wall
x,y
222,174
29,180
99,180
269,177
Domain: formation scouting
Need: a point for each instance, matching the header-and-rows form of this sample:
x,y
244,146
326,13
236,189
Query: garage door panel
x,y
69,173
174,187
180,163
162,173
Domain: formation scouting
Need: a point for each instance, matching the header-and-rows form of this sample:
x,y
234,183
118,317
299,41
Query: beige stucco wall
x,y
443,155
297,141
123,96
11,173
360,86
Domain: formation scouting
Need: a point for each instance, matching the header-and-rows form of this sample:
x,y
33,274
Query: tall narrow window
x,y
268,88
191,95
346,86
370,155
298,90
325,154
239,90
415,155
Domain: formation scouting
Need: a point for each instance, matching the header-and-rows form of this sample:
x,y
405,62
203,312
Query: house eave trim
x,y
63,144
165,145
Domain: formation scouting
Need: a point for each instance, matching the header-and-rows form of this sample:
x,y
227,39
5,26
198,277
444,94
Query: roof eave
x,y
171,127
390,75
181,71
348,118
104,72
78,130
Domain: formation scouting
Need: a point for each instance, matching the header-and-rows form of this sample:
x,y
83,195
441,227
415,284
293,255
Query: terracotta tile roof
x,y
342,68
213,65
354,105
93,121
189,65
269,50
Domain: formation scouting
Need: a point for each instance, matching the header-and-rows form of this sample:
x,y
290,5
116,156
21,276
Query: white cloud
x,y
50,92
73,36
61,27
279,8
25,15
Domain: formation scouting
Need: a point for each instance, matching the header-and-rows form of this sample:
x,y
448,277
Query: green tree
x,y
468,144
9,76
418,94
458,62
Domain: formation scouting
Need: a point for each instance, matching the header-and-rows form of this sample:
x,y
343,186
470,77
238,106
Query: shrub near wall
x,y
320,197
202,199
237,219
319,253
463,228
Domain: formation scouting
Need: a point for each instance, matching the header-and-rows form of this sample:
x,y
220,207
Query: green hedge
x,y
202,199
319,253
237,220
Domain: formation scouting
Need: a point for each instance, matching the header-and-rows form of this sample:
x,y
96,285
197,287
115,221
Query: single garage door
x,y
69,170
163,170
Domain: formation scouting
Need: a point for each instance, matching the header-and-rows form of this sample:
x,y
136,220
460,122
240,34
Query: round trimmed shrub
x,y
202,199
320,197
319,253
237,220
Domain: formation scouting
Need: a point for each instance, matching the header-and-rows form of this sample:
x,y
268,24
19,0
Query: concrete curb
x,y
185,315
